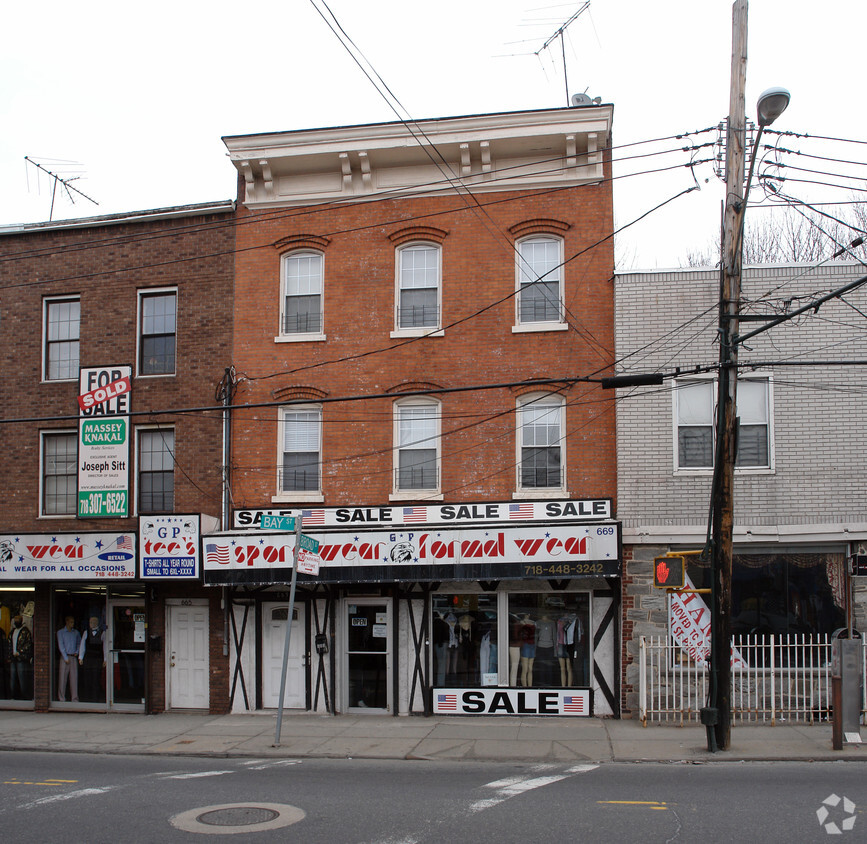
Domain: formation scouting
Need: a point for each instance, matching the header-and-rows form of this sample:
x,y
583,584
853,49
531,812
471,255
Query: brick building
x,y
145,295
417,310
801,478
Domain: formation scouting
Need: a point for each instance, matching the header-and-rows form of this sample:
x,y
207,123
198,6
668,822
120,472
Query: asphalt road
x,y
88,798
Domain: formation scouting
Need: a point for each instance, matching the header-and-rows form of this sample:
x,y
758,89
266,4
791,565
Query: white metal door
x,y
273,641
188,656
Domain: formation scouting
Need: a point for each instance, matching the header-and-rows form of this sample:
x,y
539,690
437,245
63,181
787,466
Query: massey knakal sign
x,y
70,556
545,551
169,547
584,509
494,701
103,442
689,622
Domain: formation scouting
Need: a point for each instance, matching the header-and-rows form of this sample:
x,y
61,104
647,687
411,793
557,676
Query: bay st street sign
x,y
103,442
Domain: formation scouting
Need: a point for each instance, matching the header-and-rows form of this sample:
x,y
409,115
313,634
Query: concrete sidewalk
x,y
384,737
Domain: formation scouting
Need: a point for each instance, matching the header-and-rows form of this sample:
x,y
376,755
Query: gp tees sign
x,y
103,442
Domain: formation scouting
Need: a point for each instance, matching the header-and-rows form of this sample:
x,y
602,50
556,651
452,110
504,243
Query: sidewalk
x,y
385,737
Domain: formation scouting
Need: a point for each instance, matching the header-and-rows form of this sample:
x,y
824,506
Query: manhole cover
x,y
238,816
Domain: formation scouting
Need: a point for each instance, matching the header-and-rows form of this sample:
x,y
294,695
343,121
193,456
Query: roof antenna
x,y
64,184
559,34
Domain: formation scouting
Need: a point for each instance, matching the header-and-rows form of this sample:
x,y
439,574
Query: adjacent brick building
x,y
150,292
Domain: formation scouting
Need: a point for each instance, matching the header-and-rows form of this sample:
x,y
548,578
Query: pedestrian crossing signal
x,y
668,572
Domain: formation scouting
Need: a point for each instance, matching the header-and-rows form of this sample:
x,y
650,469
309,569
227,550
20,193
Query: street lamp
x,y
771,104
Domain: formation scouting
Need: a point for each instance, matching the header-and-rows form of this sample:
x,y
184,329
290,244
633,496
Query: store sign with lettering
x,y
80,556
169,547
547,547
103,442
582,510
495,701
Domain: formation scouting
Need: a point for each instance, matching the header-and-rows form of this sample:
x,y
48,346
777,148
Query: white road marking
x,y
198,775
261,764
70,795
513,786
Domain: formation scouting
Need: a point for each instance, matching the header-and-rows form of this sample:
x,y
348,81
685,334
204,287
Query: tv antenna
x,y
64,184
559,33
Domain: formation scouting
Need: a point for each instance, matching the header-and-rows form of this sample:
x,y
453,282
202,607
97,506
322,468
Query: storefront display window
x,y
16,645
464,636
546,632
98,640
548,640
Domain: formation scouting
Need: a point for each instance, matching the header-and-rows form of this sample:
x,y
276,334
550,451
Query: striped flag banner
x,y
217,554
573,703
521,511
447,703
415,514
124,543
312,517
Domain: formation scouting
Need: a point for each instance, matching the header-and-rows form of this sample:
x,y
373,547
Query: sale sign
x,y
103,442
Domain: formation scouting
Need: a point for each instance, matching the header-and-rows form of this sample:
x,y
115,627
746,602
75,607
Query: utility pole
x,y
726,445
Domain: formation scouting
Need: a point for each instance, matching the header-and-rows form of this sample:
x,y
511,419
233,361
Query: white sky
x,y
140,95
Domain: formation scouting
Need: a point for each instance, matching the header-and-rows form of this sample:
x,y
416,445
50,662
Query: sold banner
x,y
689,625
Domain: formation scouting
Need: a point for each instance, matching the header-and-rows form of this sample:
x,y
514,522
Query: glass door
x,y
127,636
368,651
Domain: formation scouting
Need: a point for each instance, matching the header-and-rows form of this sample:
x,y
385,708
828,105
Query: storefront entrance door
x,y
368,652
274,641
126,653
188,655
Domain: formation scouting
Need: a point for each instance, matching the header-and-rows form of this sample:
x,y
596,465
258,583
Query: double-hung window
x,y
301,450
301,308
157,332
417,428
540,291
695,403
418,282
59,473
156,470
62,332
540,443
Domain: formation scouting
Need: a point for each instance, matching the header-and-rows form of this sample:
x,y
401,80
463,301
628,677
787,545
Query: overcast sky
x,y
139,95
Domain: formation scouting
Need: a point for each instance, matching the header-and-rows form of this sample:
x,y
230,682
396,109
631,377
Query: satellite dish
x,y
581,100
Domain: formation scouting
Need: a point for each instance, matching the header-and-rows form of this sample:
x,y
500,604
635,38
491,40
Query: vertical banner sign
x,y
103,442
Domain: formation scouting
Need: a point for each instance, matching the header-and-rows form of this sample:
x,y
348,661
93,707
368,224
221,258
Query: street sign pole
x,y
298,521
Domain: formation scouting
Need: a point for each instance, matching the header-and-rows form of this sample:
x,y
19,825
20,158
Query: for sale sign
x,y
103,442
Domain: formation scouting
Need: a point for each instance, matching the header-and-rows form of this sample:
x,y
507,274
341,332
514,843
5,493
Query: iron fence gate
x,y
779,679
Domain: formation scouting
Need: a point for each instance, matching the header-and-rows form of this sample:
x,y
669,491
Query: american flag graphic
x,y
218,554
312,517
521,511
124,543
447,702
415,514
573,703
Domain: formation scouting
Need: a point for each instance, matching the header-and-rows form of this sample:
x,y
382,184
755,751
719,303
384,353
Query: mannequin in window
x,y
514,652
527,633
468,649
546,634
563,655
440,636
452,649
21,646
68,643
92,658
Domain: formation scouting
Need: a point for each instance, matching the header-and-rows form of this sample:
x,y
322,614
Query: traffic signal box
x,y
668,572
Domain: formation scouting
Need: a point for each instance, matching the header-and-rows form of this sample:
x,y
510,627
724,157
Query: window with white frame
x,y
696,424
417,429
156,470
301,449
418,283
59,473
540,443
62,332
158,313
301,308
540,293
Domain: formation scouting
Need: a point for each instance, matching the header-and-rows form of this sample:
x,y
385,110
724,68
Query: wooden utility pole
x,y
724,464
